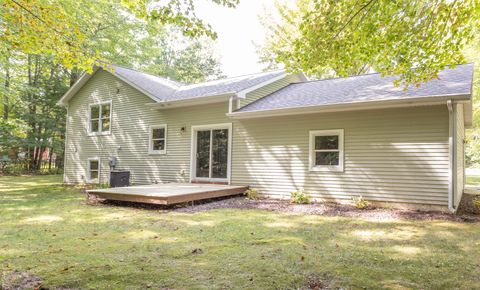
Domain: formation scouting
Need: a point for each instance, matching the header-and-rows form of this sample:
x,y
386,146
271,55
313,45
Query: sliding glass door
x,y
211,154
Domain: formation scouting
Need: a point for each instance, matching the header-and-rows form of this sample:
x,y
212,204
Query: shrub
x,y
476,202
251,193
360,202
300,197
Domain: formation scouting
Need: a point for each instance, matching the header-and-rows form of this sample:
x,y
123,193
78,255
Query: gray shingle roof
x,y
363,88
156,86
222,86
167,90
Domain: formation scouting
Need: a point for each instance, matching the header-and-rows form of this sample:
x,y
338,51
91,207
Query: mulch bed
x,y
283,206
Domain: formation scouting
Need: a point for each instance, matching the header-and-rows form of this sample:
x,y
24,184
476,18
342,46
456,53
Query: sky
x,y
238,29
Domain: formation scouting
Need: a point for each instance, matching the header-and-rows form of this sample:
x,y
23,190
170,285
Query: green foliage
x,y
360,202
351,37
12,132
476,202
472,146
300,197
251,193
64,29
176,12
179,58
32,81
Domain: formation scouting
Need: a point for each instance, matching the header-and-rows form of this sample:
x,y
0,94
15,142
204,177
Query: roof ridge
x,y
370,74
239,76
150,74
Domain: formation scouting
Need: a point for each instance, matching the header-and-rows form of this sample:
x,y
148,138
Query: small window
x,y
100,118
93,170
158,139
326,150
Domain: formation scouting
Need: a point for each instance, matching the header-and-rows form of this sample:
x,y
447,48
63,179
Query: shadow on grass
x,y
74,245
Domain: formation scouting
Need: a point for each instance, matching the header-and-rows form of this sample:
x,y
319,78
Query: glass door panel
x,y
219,153
203,154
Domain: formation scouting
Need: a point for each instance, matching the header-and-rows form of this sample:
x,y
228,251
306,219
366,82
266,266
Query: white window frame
x,y
90,133
89,173
150,140
333,168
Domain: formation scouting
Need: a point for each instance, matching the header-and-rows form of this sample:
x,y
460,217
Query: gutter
x,y
339,107
451,154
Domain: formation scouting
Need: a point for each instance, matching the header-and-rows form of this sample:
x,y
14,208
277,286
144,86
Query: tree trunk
x,y
50,155
6,101
74,76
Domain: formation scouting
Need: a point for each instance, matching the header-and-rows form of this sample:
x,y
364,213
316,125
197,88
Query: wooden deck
x,y
168,193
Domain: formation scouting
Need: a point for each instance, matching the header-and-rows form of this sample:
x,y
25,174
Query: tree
x,y
179,58
58,27
31,83
472,147
392,37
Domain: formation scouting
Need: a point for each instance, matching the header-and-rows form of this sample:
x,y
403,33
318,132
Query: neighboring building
x,y
277,132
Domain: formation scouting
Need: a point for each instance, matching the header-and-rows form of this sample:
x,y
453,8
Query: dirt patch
x,y
467,205
318,282
325,209
328,209
16,280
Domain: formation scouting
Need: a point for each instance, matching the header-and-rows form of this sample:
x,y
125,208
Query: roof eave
x,y
243,93
383,104
76,87
86,76
191,101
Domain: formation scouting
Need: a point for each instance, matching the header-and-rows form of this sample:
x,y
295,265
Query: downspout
x,y
230,104
65,146
451,154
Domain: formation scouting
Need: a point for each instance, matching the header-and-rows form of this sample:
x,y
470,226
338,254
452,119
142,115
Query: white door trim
x,y
193,152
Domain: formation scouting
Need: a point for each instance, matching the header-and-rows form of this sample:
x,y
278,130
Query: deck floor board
x,y
168,193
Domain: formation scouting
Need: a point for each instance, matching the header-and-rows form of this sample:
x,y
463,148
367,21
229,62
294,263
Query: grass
x,y
47,229
473,180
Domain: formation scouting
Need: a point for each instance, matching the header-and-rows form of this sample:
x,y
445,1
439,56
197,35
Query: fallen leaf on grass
x,y
197,251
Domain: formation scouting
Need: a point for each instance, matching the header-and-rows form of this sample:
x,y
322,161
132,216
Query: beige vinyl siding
x,y
268,89
460,153
398,155
131,119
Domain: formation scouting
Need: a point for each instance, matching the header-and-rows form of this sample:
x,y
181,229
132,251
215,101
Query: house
x,y
277,132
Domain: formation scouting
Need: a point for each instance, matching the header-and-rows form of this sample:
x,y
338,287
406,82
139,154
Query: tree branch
x,y
35,16
351,18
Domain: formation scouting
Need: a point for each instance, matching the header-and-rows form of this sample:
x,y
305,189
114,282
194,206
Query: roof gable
x,y
223,86
152,86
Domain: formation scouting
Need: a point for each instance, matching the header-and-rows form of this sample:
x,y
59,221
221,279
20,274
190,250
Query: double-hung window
x,y
326,150
93,173
100,118
158,139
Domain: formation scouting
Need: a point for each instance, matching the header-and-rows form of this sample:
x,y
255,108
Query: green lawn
x,y
473,180
46,229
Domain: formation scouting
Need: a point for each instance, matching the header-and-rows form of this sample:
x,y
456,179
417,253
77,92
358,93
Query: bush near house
x,y
252,193
300,197
360,202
